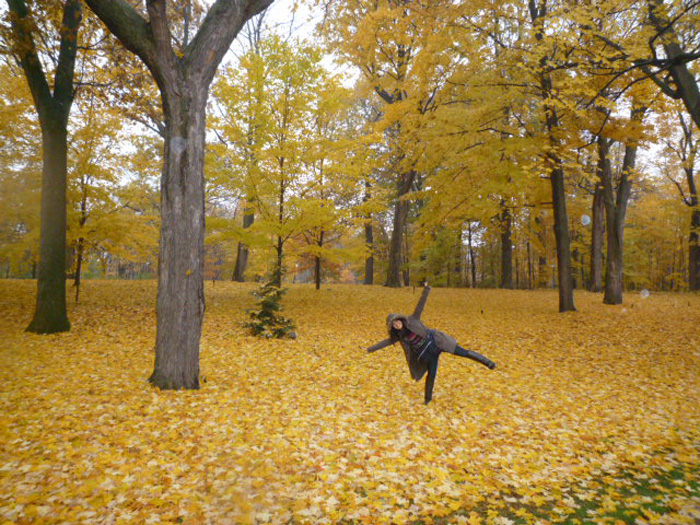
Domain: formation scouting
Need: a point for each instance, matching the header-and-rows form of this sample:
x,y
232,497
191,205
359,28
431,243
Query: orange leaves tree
x,y
282,127
183,71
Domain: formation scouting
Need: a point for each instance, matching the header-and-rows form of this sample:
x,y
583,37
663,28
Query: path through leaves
x,y
586,412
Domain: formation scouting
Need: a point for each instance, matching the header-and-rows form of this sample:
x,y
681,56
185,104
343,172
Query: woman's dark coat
x,y
444,342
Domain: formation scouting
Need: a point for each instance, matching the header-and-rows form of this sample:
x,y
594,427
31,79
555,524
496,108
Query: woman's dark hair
x,y
398,333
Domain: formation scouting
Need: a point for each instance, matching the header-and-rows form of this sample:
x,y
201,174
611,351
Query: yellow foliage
x,y
316,430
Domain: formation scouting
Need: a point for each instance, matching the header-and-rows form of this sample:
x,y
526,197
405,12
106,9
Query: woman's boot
x,y
476,357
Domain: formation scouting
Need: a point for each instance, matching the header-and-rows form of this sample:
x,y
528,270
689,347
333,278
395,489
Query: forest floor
x,y
591,416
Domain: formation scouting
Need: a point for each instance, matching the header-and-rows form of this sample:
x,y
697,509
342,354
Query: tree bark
x,y
369,240
50,314
694,248
506,249
561,232
53,109
597,231
613,261
692,201
183,80
396,257
242,253
458,259
369,262
80,248
318,262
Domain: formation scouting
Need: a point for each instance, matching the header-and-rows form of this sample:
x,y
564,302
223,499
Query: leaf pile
x,y
583,408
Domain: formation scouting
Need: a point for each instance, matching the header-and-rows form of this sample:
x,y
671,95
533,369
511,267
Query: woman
x,y
423,346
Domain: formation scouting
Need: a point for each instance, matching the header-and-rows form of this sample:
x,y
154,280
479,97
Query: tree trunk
x,y
396,257
561,232
597,231
369,262
180,307
458,260
242,254
51,315
317,263
694,237
616,212
78,266
506,249
694,249
530,266
279,262
369,240
613,260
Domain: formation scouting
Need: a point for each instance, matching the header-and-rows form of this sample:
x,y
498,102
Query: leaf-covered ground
x,y
591,417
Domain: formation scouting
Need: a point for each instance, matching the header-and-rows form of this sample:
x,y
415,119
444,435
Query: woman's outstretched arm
x,y
380,345
421,302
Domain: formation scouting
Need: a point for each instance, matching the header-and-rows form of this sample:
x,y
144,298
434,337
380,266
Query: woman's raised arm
x,y
380,345
421,302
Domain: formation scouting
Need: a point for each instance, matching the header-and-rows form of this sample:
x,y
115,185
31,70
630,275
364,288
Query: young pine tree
x,y
266,320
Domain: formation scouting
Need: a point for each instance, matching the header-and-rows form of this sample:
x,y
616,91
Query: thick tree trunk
x,y
616,212
50,314
396,256
597,231
242,254
506,249
613,260
694,238
180,307
694,250
561,232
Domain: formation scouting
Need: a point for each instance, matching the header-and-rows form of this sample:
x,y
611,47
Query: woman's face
x,y
397,324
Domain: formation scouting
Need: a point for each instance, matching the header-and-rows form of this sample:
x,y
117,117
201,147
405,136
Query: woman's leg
x,y
430,379
475,356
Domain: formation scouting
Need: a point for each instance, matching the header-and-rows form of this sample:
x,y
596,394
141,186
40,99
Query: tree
x,y
282,115
183,72
402,50
53,108
554,162
241,128
95,168
615,203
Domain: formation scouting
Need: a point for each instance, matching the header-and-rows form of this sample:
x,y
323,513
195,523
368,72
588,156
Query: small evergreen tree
x,y
265,320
